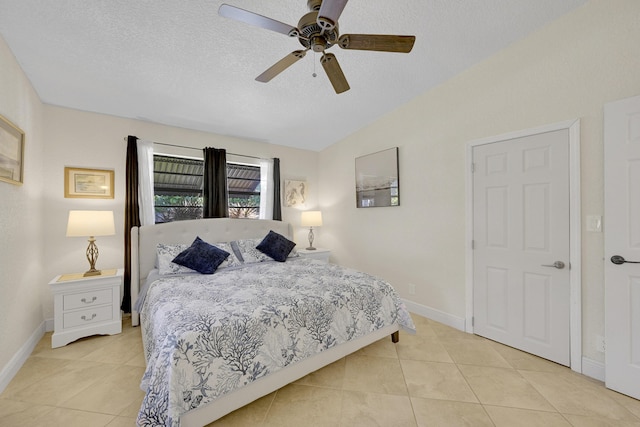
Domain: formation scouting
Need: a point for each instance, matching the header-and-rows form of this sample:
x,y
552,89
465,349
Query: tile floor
x,y
439,377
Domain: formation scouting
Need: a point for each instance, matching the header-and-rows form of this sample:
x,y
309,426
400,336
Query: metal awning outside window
x,y
177,176
181,176
243,179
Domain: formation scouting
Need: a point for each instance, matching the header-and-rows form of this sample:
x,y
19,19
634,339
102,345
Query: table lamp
x,y
311,219
91,224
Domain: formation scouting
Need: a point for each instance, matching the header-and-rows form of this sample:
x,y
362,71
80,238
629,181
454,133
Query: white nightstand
x,y
319,253
86,306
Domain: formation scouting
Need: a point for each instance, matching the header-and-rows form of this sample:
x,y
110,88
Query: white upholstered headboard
x,y
212,230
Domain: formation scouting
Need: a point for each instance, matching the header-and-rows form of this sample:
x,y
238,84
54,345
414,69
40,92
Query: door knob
x,y
619,260
558,264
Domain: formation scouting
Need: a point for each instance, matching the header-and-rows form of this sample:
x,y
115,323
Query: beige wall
x,y
89,140
21,245
567,70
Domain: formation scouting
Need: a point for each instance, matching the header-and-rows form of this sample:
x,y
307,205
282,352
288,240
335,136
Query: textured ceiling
x,y
177,62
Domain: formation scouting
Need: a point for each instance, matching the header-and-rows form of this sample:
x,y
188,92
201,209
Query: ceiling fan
x,y
318,31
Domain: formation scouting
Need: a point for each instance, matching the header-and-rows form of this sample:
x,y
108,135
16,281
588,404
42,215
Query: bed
x,y
216,342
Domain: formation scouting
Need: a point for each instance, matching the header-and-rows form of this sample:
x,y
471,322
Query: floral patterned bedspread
x,y
207,335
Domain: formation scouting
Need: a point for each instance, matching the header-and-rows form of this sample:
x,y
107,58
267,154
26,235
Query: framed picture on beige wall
x,y
295,193
377,179
11,152
88,183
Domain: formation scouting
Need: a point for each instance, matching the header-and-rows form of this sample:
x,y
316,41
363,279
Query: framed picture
x,y
295,193
11,153
377,181
88,183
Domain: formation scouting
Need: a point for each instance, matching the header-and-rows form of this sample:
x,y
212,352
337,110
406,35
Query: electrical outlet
x,y
600,344
412,289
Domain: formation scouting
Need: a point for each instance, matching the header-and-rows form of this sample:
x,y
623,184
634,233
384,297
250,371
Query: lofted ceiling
x,y
177,62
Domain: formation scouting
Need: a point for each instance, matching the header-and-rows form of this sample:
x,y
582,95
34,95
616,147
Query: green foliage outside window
x,y
244,207
177,208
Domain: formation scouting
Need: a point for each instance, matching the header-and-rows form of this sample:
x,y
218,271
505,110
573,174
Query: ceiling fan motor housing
x,y
314,5
312,35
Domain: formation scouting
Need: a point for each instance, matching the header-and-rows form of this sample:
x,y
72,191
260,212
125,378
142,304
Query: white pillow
x,y
167,252
246,249
232,260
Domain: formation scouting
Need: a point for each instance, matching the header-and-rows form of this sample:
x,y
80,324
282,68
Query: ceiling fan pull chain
x,y
314,64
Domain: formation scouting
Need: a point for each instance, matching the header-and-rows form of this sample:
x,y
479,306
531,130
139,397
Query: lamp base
x,y
311,248
92,257
92,272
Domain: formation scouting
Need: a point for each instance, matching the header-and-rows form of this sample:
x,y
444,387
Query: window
x,y
243,184
178,184
177,188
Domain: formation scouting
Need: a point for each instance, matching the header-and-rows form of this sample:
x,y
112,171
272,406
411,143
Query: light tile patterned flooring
x,y
438,377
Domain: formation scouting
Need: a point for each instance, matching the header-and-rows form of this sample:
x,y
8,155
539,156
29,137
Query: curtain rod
x,y
199,149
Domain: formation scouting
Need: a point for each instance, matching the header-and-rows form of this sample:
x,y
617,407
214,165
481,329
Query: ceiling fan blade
x,y
257,20
281,65
381,43
334,72
329,13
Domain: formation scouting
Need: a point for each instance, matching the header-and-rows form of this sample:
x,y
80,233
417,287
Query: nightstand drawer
x,y
88,316
319,254
87,299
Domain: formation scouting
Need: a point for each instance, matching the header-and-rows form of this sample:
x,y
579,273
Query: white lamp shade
x,y
90,223
311,219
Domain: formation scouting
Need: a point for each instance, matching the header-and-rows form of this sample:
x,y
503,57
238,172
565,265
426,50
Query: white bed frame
x,y
143,254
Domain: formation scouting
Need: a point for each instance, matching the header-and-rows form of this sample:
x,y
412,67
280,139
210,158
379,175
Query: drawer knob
x,y
84,300
93,316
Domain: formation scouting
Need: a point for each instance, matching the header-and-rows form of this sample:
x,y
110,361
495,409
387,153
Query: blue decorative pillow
x,y
202,257
276,246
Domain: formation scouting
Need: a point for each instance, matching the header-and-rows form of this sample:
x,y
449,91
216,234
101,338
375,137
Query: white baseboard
x,y
11,369
593,369
48,325
434,314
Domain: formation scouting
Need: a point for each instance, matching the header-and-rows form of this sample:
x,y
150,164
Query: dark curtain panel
x,y
215,202
277,207
131,215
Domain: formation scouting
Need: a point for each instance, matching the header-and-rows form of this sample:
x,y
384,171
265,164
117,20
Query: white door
x,y
622,238
521,286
